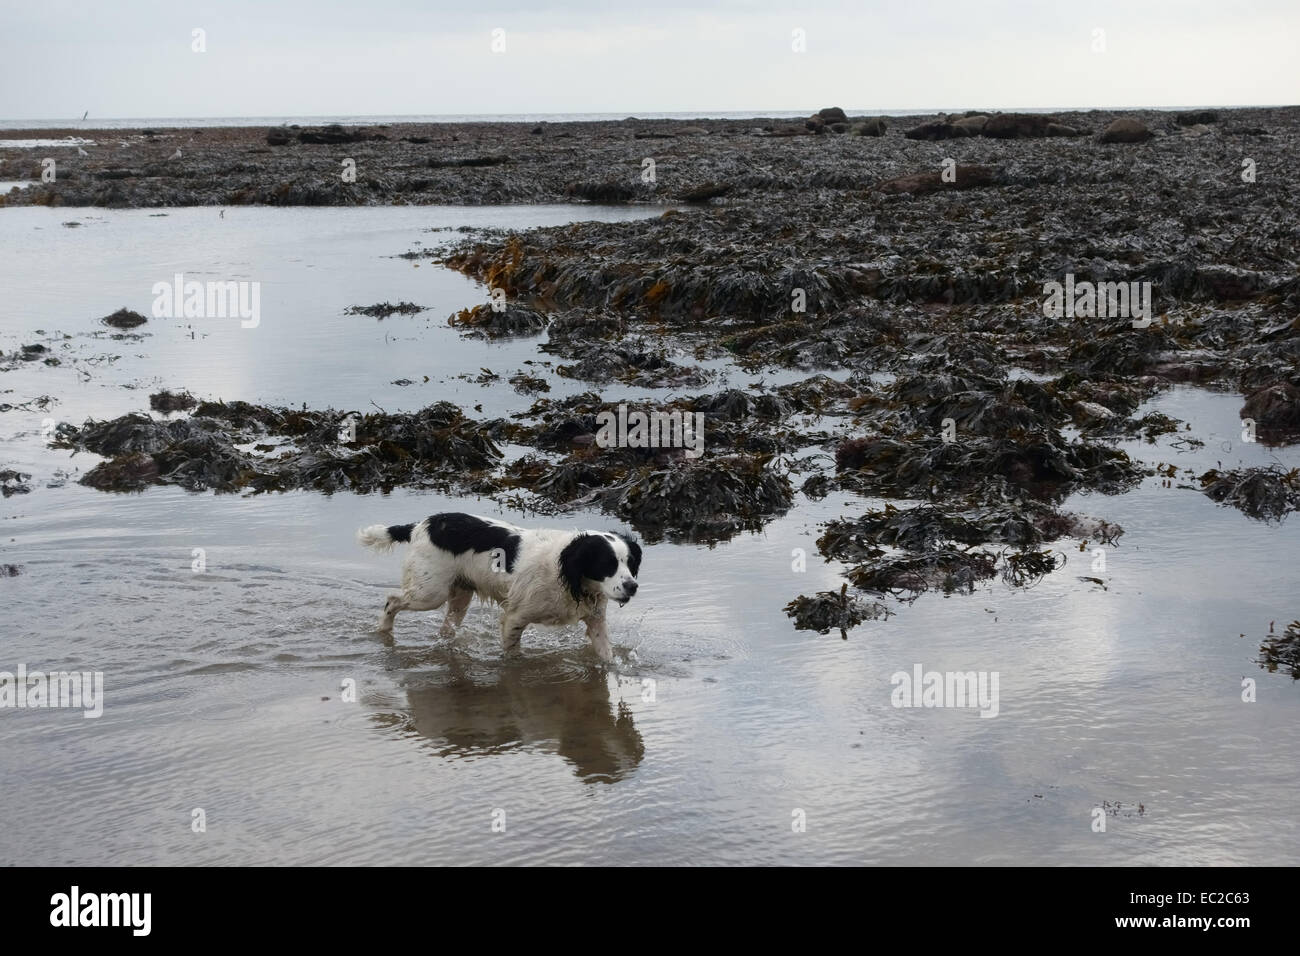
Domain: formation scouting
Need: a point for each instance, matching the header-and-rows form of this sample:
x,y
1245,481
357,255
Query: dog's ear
x,y
633,553
574,560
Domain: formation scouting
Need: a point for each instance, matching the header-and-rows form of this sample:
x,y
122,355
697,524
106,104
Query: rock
x,y
383,310
705,192
974,123
875,126
14,482
124,319
1092,412
334,133
485,322
278,136
692,131
1265,494
1196,117
967,177
1125,130
839,127
829,609
166,401
939,130
131,472
833,114
1018,125
1276,411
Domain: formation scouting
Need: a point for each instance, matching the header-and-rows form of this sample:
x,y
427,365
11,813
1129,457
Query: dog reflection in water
x,y
538,702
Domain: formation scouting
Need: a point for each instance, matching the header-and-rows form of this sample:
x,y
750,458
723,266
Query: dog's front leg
x,y
512,629
599,636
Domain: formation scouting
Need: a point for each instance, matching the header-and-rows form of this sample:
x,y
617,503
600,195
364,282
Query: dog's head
x,y
610,560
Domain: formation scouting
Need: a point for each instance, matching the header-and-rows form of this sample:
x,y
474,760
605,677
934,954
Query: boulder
x,y
939,130
833,114
974,123
1125,130
1196,117
1018,125
875,126
967,177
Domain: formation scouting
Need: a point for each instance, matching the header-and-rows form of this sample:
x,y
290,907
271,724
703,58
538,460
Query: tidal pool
x,y
241,677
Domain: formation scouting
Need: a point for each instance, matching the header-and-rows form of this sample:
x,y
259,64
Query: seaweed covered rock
x,y
923,527
513,321
383,310
706,498
1275,409
1038,463
124,319
941,129
166,401
962,177
909,576
1265,494
1125,130
133,471
1282,652
634,362
325,450
829,609
14,482
1018,125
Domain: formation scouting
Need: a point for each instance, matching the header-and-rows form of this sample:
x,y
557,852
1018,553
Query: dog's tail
x,y
377,537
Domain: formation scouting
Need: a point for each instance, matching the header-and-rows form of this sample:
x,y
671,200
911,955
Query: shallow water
x,y
224,689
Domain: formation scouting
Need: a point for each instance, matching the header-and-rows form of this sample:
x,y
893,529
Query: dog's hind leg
x,y
404,602
457,605
395,603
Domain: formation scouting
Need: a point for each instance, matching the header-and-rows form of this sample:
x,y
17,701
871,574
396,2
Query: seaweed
x,y
827,610
1264,493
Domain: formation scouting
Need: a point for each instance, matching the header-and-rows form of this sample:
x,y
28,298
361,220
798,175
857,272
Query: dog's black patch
x,y
458,533
586,556
400,532
633,553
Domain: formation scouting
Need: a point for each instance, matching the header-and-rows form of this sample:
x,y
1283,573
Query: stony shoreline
x,y
914,265
481,163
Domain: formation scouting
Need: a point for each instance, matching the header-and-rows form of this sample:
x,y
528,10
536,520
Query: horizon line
x,y
694,114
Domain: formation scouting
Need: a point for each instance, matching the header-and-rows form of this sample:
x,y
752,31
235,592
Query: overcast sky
x,y
134,58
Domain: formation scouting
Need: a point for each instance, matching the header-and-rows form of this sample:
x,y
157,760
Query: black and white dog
x,y
538,577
